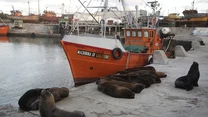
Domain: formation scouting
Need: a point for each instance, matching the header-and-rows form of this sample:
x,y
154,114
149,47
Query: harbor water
x,y
27,63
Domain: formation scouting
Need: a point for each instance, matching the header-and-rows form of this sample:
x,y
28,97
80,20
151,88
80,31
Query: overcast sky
x,y
168,6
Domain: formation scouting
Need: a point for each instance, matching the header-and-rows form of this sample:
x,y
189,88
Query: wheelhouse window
x,y
133,33
151,33
146,34
128,33
139,33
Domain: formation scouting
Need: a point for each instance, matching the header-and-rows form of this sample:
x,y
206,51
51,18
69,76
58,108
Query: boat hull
x,y
89,63
4,30
49,19
26,19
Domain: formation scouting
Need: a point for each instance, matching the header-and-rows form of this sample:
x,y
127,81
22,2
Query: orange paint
x,y
4,30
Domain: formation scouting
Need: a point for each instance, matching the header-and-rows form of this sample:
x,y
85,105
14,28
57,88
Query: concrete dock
x,y
159,100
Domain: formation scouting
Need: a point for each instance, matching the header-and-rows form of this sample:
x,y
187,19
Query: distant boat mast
x,y
38,7
29,6
193,5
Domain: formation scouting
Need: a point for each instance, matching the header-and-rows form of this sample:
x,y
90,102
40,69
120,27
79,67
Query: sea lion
x,y
149,74
47,107
194,72
117,91
161,74
59,93
151,68
190,80
28,101
135,87
146,77
137,69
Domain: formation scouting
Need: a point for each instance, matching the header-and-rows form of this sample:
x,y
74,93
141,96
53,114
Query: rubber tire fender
x,y
114,51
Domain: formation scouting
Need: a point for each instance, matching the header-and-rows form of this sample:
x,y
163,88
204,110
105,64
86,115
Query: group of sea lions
x,y
124,84
44,101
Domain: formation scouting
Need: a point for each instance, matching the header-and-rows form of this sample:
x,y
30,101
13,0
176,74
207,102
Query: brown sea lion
x,y
59,93
161,74
146,77
137,69
47,107
151,75
135,87
118,91
28,101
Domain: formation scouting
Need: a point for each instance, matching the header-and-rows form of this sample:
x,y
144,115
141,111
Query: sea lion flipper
x,y
35,104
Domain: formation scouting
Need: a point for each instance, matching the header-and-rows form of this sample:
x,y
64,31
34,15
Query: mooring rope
x,y
127,62
168,45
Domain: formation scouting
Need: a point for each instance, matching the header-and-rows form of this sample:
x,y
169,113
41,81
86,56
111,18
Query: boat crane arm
x,y
88,11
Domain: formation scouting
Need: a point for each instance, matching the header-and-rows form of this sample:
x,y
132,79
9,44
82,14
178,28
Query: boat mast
x,y
63,8
38,7
29,6
126,15
193,5
137,25
103,23
153,5
13,11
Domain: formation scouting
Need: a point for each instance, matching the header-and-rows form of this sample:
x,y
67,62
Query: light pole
x,y
29,6
38,7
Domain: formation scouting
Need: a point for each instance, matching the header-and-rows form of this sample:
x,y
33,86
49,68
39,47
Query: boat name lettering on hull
x,y
93,54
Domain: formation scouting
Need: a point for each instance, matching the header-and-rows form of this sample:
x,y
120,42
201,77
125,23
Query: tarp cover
x,y
135,48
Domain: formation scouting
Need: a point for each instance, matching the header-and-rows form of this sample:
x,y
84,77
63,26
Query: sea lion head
x,y
195,63
64,92
129,94
45,94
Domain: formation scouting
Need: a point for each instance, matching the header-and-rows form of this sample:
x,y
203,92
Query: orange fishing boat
x,y
93,57
4,29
